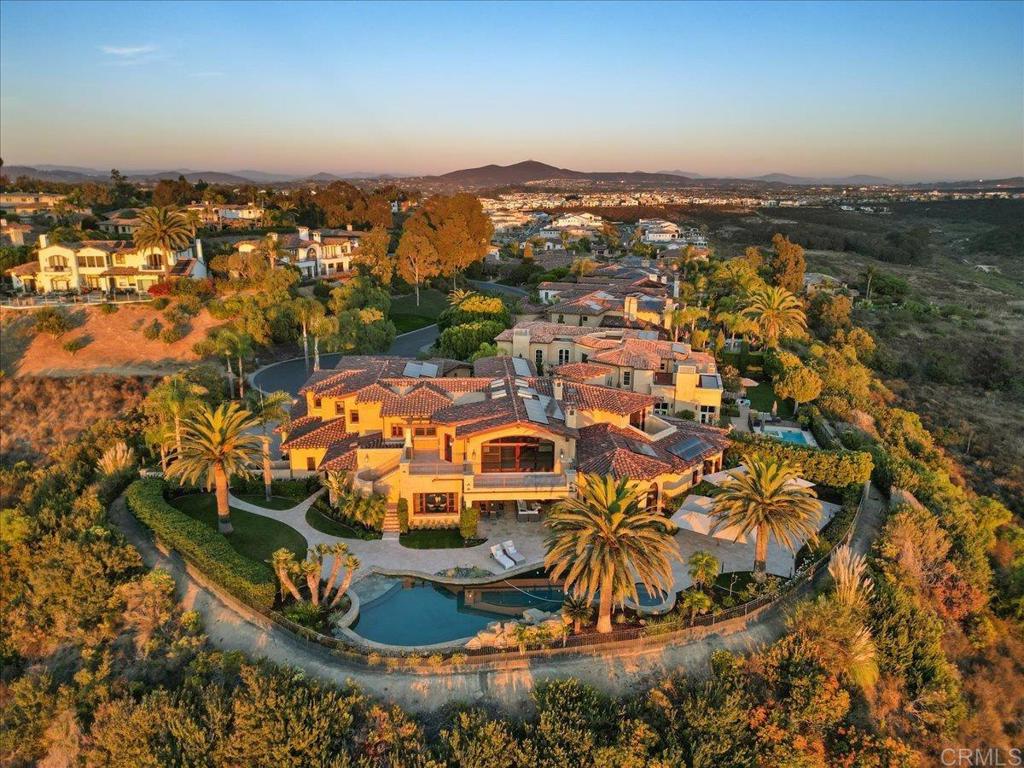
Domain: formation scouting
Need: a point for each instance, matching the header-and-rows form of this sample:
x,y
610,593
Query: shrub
x,y
160,303
162,288
109,309
52,320
190,306
175,333
76,344
403,515
206,549
152,331
468,519
837,468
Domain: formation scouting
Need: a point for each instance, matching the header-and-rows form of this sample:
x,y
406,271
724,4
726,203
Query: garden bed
x,y
255,536
343,530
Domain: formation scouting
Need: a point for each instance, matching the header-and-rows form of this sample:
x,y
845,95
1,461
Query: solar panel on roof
x,y
535,412
521,383
526,394
412,370
428,369
497,382
688,449
496,393
643,448
520,366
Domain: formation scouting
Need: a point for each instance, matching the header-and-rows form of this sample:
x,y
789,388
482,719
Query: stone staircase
x,y
391,527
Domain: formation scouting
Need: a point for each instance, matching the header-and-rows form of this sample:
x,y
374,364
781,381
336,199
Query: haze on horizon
x,y
909,91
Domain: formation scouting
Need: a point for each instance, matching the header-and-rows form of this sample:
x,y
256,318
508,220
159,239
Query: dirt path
x,y
506,688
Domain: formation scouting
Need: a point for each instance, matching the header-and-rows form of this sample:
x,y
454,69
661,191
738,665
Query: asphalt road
x,y
292,374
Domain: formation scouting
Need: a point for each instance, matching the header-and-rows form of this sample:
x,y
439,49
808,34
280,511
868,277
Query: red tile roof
x,y
581,371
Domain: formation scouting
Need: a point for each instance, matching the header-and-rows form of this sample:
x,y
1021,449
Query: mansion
x,y
676,376
105,265
316,253
442,434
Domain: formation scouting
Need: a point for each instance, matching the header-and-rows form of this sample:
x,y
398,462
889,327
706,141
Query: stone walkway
x,y
507,687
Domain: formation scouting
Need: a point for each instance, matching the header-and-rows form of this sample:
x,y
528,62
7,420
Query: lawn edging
x,y
207,550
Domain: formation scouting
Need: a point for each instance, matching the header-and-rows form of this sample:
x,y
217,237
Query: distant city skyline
x,y
907,91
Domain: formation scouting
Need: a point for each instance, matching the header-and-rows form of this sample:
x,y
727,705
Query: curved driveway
x,y
289,375
507,687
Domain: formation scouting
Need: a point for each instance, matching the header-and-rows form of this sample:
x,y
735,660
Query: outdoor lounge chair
x,y
511,551
504,560
524,511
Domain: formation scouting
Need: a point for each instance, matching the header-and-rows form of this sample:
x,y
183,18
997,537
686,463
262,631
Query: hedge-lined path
x,y
507,686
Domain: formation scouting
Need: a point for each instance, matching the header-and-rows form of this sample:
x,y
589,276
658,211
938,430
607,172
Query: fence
x,y
633,638
29,301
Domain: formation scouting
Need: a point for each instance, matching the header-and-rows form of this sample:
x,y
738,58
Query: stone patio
x,y
528,536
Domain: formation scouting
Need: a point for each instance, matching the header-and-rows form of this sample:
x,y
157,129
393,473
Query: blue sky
x,y
906,90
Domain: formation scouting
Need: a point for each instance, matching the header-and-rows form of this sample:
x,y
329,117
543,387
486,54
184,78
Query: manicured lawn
x,y
432,538
319,521
275,502
408,317
255,536
761,398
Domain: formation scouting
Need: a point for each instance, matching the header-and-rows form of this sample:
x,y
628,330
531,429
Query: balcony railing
x,y
546,480
436,467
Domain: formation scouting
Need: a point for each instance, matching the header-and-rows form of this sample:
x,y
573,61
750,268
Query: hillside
x,y
114,344
533,171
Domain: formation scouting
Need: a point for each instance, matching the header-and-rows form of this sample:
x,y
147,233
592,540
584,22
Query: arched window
x,y
519,453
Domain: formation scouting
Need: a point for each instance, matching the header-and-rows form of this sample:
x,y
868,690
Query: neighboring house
x,y
402,429
816,282
122,223
677,377
240,216
106,265
36,204
583,221
14,233
317,252
656,231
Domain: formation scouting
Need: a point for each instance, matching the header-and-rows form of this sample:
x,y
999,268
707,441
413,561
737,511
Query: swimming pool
x,y
417,612
790,435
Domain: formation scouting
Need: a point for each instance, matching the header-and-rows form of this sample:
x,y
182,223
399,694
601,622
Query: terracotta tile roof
x,y
641,354
592,397
317,433
119,272
582,371
543,332
421,402
499,366
340,457
606,449
31,268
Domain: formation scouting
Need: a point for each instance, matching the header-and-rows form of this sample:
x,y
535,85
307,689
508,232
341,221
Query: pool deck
x,y
389,556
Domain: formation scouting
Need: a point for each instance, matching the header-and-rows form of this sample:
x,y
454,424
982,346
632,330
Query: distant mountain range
x,y
73,174
486,176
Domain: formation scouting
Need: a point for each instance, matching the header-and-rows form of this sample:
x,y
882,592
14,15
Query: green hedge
x,y
206,549
837,468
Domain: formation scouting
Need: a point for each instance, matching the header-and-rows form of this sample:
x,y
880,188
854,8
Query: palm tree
x,y
695,602
217,444
703,569
337,552
578,611
605,541
284,565
271,248
686,316
193,220
311,569
306,312
237,346
160,435
267,409
764,499
351,566
165,229
776,312
174,398
323,327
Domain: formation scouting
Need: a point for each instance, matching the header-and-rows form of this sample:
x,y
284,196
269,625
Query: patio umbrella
x,y
745,382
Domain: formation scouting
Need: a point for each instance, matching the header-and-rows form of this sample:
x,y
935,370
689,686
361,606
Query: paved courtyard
x,y
528,536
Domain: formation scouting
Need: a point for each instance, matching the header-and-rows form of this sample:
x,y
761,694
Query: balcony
x,y
436,467
548,481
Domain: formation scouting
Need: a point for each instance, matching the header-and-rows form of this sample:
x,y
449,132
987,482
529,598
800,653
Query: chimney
x,y
558,388
571,419
303,233
629,307
349,226
274,236
675,289
521,342
44,241
318,236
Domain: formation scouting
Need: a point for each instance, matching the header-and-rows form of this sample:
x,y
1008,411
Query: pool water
x,y
425,613
795,436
